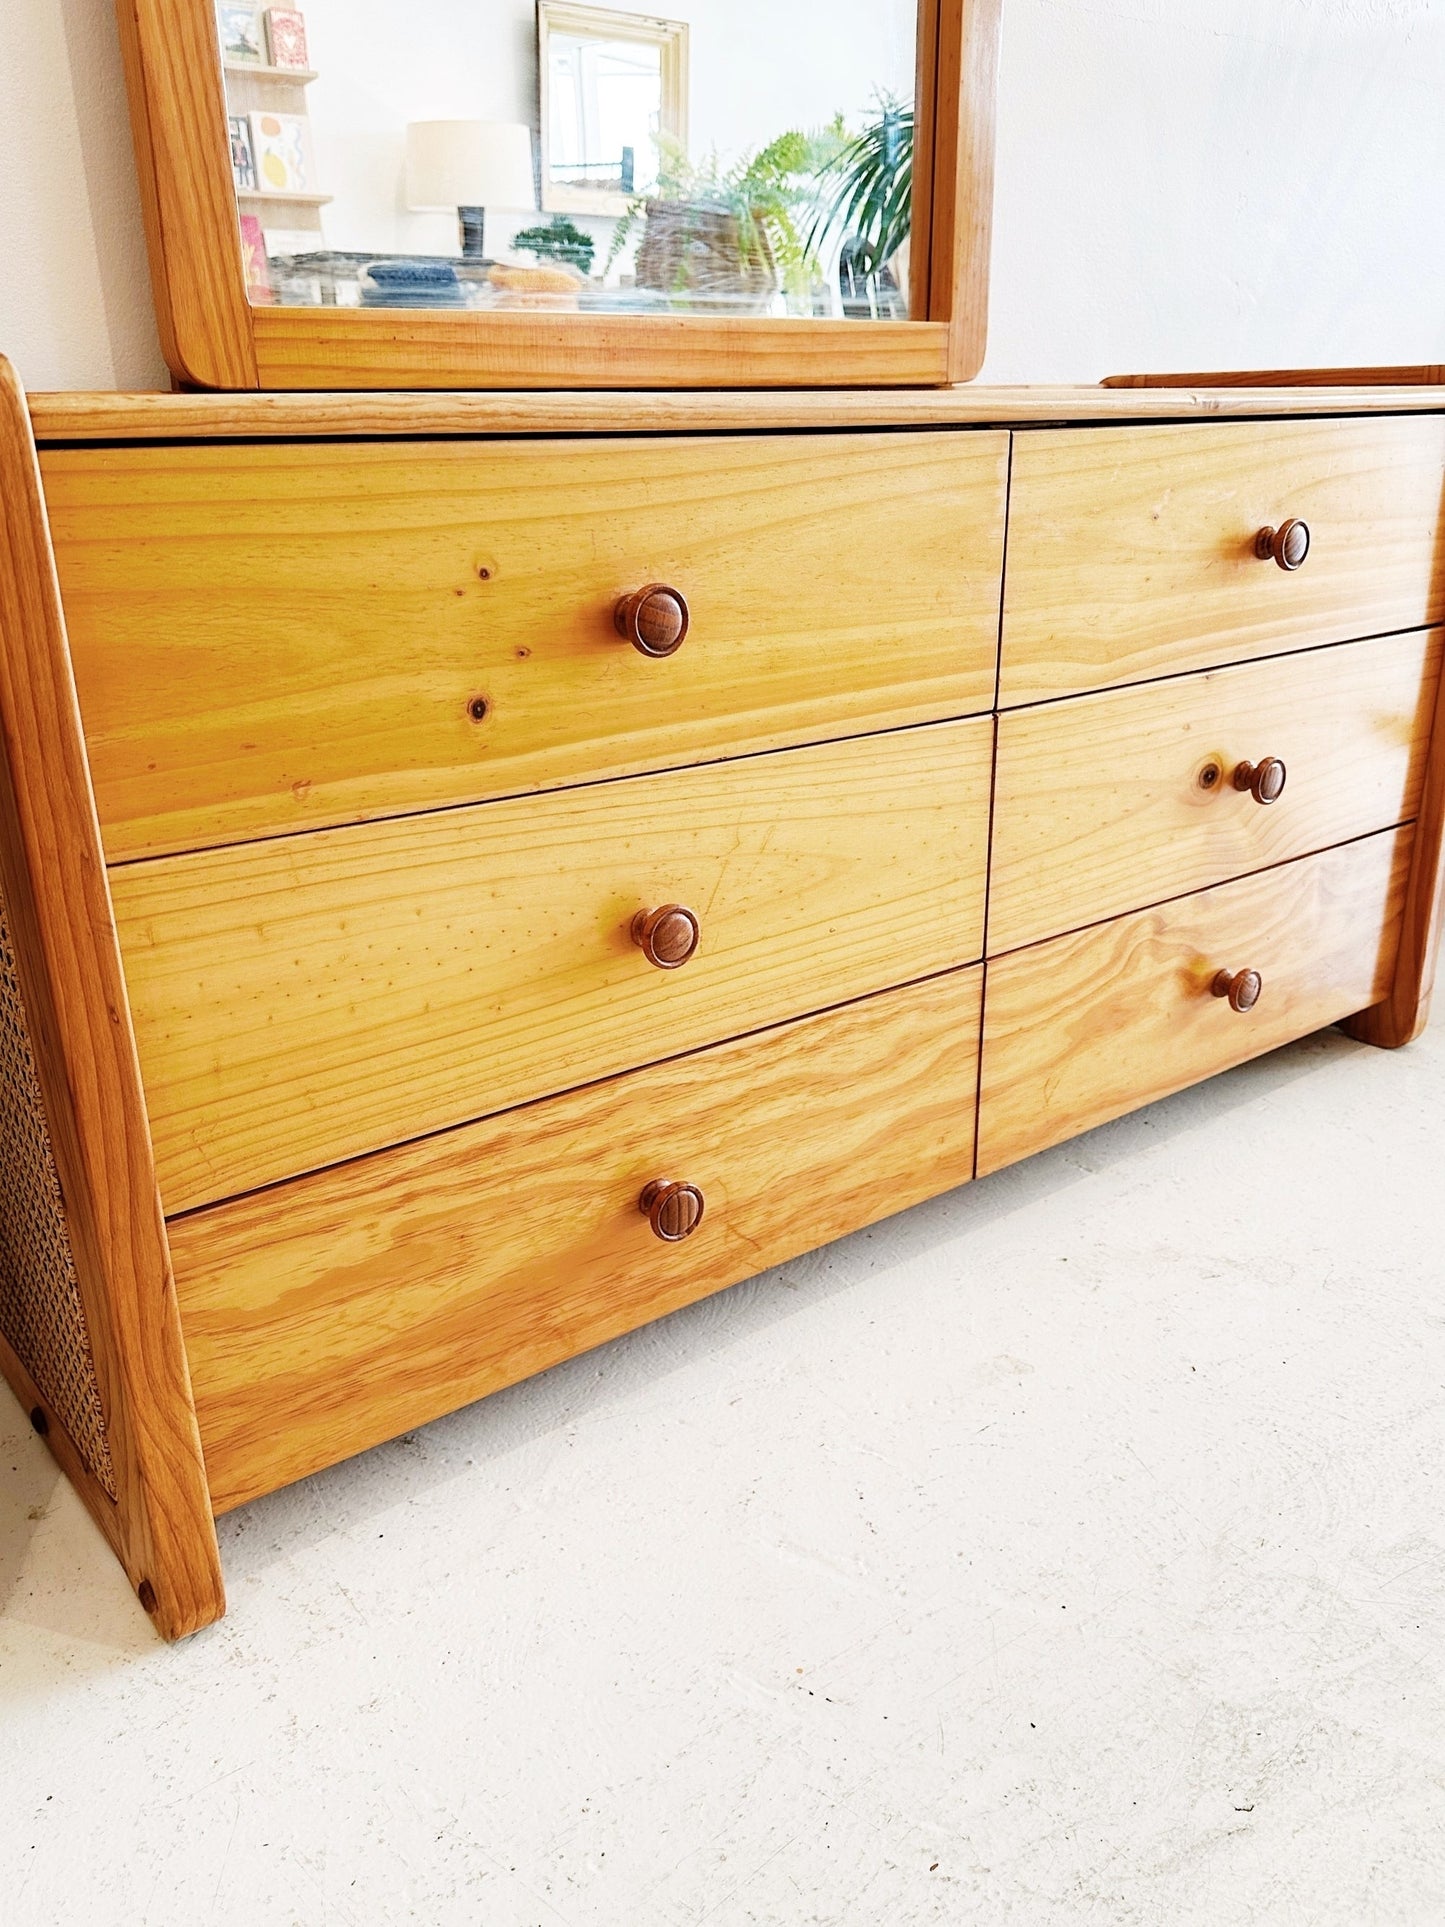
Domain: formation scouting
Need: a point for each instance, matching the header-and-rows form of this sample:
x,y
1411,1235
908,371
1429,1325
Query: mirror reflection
x,y
738,157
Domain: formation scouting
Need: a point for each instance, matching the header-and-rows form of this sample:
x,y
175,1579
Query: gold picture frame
x,y
670,37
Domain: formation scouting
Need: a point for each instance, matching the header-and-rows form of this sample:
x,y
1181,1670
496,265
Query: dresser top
x,y
82,417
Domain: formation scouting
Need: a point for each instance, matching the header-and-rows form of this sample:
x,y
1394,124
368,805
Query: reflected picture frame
x,y
558,20
241,34
214,337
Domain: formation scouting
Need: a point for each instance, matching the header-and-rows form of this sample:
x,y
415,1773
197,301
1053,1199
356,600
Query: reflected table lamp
x,y
469,165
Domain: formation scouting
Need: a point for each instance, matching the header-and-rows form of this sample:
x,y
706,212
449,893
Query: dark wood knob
x,y
1241,987
653,619
1288,545
666,937
673,1210
1265,781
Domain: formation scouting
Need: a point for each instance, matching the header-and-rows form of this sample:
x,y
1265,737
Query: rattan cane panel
x,y
41,1315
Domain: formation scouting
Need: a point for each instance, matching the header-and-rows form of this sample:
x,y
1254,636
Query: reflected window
x,y
614,96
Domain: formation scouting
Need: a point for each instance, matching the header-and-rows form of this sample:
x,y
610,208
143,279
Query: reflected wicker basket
x,y
694,252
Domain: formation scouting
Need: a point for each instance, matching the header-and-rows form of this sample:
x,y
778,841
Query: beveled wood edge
x,y
363,349
1406,1011
68,959
925,108
1419,374
82,416
961,177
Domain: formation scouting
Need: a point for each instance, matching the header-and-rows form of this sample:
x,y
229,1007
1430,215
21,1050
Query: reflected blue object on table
x,y
410,284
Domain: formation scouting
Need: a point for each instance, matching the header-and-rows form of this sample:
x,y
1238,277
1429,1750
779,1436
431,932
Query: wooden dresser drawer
x,y
278,637
347,1306
1107,803
301,1000
1086,1027
1132,550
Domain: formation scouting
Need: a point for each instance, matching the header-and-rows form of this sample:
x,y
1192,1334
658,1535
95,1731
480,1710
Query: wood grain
x,y
269,639
956,94
302,1000
59,912
1100,803
1083,1028
926,225
348,1306
1131,551
178,125
1400,1017
967,240
1426,373
93,417
357,348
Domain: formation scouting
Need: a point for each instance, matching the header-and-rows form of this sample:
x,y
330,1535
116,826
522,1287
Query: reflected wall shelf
x,y
297,200
301,75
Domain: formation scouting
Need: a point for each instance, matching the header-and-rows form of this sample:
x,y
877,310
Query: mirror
x,y
743,158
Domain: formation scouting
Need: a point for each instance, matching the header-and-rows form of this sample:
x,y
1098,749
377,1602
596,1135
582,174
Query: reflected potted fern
x,y
731,236
867,200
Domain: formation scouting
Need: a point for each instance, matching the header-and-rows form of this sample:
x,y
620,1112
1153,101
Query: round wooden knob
x,y
1265,781
666,937
1241,987
1288,545
673,1210
653,619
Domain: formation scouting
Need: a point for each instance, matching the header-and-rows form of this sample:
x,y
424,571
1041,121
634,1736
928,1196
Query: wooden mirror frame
x,y
214,338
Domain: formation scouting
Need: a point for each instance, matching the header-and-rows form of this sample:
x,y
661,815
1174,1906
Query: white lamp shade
x,y
469,163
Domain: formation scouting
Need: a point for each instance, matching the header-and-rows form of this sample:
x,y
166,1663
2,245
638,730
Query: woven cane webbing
x,y
41,1314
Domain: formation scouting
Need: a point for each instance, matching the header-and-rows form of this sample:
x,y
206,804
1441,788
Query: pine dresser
x,y
480,872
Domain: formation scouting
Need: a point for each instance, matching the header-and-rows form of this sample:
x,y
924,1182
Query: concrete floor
x,y
1068,1550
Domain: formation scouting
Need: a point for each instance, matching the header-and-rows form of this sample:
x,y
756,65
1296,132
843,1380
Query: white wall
x,y
758,68
1181,183
75,298
1218,183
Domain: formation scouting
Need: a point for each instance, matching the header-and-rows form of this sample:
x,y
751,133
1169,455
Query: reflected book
x,y
281,145
240,34
243,161
253,258
286,38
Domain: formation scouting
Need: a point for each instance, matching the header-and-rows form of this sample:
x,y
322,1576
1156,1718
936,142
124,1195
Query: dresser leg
x,y
1406,1011
1387,1026
90,1336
